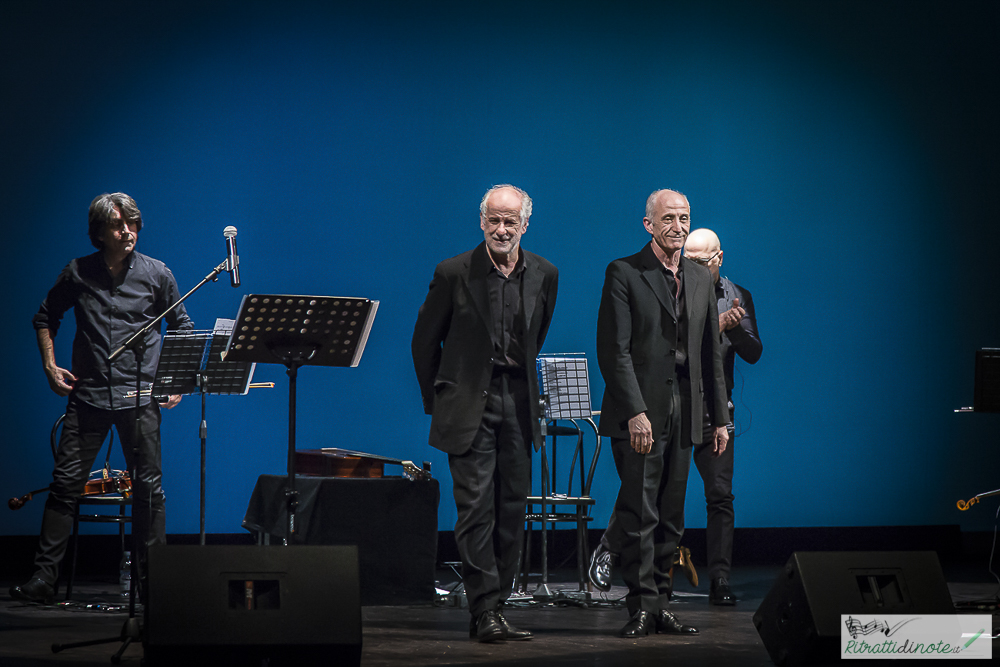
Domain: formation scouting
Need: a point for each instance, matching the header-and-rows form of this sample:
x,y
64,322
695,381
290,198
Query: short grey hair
x,y
525,200
100,212
651,200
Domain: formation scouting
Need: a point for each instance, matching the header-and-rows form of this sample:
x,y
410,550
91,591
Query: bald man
x,y
658,347
738,324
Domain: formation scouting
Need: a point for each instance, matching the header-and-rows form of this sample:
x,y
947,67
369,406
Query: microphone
x,y
232,260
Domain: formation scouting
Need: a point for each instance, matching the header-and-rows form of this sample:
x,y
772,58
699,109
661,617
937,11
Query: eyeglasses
x,y
704,261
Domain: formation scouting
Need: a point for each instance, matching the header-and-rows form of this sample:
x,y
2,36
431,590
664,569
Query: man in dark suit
x,y
474,347
658,350
738,323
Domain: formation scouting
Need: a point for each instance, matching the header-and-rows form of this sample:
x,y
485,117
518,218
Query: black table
x,y
393,522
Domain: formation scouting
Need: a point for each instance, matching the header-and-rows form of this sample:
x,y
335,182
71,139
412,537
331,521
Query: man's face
x,y
501,224
708,255
671,221
119,236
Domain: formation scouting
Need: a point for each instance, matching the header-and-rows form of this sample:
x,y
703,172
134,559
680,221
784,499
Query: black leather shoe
x,y
640,625
668,624
510,632
35,590
720,593
488,627
600,568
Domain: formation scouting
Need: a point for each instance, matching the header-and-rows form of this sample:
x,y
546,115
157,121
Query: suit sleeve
x,y
433,321
614,343
744,338
550,306
716,396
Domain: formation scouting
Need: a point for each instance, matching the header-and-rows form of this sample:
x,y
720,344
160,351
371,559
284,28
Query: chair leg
x,y
526,563
121,526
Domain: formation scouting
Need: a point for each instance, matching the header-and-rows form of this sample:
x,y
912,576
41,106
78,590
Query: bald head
x,y
703,246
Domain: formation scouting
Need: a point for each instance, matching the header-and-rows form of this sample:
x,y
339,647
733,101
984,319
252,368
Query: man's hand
x,y
640,433
171,401
60,380
721,440
731,318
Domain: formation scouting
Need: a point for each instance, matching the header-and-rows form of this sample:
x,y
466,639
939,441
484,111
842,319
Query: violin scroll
x,y
962,505
18,503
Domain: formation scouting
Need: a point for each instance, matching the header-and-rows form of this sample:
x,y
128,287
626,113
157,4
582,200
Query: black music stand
x,y
190,362
297,330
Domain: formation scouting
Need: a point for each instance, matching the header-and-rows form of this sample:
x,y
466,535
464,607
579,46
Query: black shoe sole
x,y
41,601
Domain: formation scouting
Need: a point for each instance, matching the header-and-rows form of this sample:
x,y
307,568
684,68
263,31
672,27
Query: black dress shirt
x,y
676,283
508,320
108,310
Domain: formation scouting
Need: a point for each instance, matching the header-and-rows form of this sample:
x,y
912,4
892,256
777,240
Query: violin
x,y
110,481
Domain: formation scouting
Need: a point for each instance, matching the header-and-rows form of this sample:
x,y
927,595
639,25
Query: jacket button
x,y
670,380
485,394
673,352
491,360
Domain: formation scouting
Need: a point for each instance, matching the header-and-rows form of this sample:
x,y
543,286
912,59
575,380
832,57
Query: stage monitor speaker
x,y
235,605
799,619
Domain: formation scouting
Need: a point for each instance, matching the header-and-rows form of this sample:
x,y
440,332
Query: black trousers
x,y
83,435
717,476
649,511
491,482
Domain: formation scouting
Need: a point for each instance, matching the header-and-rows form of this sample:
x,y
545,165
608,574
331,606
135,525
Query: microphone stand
x,y
132,630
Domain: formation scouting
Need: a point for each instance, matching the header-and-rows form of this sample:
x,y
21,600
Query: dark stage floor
x,y
438,634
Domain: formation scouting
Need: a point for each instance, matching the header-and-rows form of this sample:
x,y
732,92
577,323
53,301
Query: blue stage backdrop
x,y
844,152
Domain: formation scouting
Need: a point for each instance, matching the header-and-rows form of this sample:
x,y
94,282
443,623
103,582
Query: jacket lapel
x,y
652,274
475,281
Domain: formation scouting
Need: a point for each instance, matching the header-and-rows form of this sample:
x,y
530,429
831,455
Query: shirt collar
x,y
662,257
518,267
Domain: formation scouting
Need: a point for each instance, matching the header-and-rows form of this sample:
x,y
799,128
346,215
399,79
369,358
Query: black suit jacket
x,y
637,339
453,345
743,339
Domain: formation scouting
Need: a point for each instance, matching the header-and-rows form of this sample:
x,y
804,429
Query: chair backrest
x,y
57,431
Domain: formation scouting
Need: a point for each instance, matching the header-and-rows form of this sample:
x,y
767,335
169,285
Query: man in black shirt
x,y
738,324
474,347
658,350
113,293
